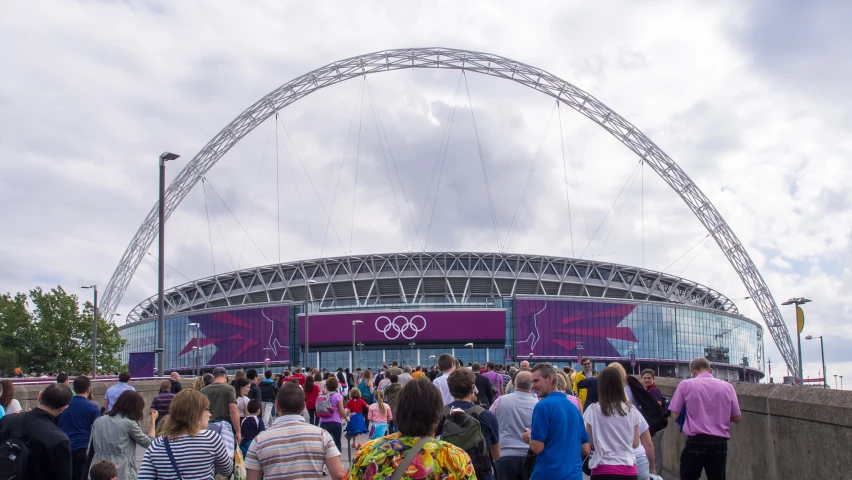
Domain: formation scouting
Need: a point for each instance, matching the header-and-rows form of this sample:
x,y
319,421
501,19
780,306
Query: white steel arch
x,y
487,64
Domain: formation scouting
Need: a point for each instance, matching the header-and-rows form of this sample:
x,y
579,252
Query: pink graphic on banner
x,y
244,336
567,329
407,326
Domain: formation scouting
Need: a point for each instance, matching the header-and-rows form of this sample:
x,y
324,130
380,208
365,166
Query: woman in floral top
x,y
419,411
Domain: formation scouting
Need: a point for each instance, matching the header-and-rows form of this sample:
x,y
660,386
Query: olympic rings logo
x,y
400,326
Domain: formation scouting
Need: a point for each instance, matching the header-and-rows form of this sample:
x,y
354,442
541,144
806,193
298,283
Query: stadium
x,y
411,307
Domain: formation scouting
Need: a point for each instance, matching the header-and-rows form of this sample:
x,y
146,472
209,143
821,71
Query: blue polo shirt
x,y
558,424
76,421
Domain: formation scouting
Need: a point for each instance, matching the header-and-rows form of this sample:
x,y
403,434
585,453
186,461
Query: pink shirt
x,y
710,404
375,414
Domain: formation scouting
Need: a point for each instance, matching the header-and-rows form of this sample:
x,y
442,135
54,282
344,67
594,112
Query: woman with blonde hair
x,y
199,383
186,448
564,383
379,415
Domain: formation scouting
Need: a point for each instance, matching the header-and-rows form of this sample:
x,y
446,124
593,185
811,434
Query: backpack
x,y
463,430
14,455
651,411
324,407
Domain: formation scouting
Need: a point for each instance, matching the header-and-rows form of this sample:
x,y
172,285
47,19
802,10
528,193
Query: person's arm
x,y
586,449
645,438
675,414
635,436
137,435
253,474
495,451
235,421
736,415
591,439
222,461
335,468
344,414
736,419
152,428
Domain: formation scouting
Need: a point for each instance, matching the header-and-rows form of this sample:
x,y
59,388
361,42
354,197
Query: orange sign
x,y
800,318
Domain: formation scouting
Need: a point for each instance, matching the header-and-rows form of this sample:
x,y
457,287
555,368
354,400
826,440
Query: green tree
x,y
55,336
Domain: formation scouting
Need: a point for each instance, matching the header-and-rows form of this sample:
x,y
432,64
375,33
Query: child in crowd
x,y
103,470
356,406
379,416
251,426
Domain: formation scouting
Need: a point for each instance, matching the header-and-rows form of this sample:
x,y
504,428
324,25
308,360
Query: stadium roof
x,y
411,278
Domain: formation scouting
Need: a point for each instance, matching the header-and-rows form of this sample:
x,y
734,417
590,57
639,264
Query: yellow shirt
x,y
581,392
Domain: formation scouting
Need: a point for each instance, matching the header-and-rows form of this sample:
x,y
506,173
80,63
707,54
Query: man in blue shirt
x,y
76,421
462,387
558,435
116,390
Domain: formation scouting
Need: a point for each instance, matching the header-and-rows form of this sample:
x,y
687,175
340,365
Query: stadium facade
x,y
412,307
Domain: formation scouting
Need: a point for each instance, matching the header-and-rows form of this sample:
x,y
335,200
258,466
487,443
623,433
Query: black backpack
x,y
652,412
14,454
463,430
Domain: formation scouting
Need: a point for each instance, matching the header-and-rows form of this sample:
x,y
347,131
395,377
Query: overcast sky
x,y
750,100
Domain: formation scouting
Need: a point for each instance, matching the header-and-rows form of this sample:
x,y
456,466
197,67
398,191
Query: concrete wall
x,y
28,394
785,433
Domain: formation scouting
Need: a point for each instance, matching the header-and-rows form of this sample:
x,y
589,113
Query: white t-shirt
x,y
441,383
14,407
612,436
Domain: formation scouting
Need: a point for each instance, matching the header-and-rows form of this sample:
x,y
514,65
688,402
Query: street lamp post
x,y
841,382
161,322
822,351
308,295
800,324
432,357
835,381
411,353
471,351
94,332
354,324
197,327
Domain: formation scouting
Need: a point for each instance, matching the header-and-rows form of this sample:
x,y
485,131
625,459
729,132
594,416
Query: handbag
x,y
406,462
172,457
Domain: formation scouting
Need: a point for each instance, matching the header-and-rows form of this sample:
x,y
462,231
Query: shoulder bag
x,y
400,470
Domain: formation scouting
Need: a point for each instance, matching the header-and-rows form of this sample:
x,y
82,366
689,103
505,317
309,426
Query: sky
x,y
748,98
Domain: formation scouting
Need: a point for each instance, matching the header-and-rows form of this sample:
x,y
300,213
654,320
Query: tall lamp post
x,y
161,322
835,381
432,357
800,325
471,351
354,324
94,332
197,327
822,351
308,295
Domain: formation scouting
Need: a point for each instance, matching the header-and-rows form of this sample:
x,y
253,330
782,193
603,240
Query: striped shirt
x,y
198,457
291,449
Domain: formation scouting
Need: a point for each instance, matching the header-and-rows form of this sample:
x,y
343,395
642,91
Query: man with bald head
x,y
514,415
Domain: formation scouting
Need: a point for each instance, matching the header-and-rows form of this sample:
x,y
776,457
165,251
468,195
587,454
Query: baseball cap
x,y
219,371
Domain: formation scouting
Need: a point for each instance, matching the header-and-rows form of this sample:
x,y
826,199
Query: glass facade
x,y
556,330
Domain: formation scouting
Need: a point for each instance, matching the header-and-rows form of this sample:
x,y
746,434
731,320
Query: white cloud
x,y
92,92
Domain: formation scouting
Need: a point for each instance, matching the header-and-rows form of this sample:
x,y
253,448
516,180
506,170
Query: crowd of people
x,y
451,421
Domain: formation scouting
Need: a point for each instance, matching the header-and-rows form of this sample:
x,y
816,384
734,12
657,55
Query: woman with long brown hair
x,y
116,434
613,425
197,452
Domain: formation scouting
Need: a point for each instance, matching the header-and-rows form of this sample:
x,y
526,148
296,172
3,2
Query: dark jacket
x,y
250,428
268,391
50,449
591,386
176,386
485,392
254,392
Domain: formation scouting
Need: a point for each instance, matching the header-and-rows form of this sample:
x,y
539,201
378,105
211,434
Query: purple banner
x,y
141,365
244,336
406,326
569,329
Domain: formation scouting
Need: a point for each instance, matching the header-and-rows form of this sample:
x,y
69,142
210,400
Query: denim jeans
x,y
511,468
704,452
642,467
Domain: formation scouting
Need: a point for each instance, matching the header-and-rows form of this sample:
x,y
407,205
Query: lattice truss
x,y
476,62
411,278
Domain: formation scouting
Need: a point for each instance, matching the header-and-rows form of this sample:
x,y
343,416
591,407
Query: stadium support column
x,y
161,323
352,364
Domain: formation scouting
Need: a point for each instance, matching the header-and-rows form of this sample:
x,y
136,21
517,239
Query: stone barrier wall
x,y
786,432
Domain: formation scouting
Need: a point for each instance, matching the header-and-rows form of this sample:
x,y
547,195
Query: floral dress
x,y
439,460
